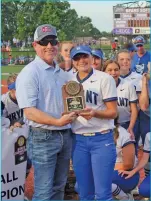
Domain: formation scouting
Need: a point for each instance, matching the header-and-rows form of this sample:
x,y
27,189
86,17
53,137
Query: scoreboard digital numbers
x,y
131,21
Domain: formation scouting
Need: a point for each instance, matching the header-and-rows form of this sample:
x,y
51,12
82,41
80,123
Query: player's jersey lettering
x,y
91,97
15,115
122,102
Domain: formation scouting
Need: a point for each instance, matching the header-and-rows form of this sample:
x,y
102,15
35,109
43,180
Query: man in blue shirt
x,y
39,94
141,58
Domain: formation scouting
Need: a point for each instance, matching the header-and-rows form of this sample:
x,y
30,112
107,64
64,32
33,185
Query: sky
x,y
100,12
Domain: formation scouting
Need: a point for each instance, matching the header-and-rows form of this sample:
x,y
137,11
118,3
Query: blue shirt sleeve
x,y
27,89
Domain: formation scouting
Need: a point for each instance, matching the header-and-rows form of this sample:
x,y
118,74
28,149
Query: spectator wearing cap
x,y
131,49
141,58
39,94
94,152
97,59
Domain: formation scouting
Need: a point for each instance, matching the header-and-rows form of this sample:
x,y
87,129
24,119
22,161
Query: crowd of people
x,y
103,139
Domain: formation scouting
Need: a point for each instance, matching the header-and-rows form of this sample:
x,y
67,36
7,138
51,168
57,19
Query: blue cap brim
x,y
95,54
80,52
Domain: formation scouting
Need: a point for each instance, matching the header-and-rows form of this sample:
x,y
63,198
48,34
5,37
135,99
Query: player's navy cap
x,y
97,53
43,31
133,48
79,50
139,40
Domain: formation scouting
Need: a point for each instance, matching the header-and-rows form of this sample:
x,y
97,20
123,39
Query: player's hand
x,y
130,130
128,173
144,78
17,124
66,119
87,113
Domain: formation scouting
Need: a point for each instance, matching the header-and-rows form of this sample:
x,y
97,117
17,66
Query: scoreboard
x,y
131,21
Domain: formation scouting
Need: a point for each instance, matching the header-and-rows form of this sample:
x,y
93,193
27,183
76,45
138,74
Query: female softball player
x,y
144,188
124,60
12,110
64,59
97,59
94,151
126,160
127,98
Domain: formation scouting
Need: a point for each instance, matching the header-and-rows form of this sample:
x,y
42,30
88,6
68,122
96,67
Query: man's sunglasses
x,y
45,42
80,56
139,45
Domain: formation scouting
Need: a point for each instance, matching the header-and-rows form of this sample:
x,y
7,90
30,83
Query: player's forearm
x,y
106,114
144,98
142,163
134,114
40,117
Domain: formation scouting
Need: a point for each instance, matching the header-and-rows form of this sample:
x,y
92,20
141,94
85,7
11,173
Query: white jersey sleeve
x,y
124,137
147,143
122,141
108,89
132,94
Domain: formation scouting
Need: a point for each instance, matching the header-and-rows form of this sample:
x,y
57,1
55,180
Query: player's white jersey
x,y
126,94
11,110
99,87
134,78
123,140
147,150
71,71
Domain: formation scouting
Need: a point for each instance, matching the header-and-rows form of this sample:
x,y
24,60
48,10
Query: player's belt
x,y
93,134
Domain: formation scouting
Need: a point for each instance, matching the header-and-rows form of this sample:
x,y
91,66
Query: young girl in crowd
x,y
12,110
127,98
64,59
97,59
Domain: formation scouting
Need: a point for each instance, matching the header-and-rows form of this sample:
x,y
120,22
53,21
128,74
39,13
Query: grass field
x,y
5,70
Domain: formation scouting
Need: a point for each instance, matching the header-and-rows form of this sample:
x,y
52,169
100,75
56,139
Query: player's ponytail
x,y
116,131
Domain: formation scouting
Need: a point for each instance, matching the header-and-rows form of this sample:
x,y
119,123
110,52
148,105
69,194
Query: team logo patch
x,y
20,150
46,29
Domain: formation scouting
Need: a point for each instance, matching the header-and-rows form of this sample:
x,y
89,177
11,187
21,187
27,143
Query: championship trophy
x,y
73,97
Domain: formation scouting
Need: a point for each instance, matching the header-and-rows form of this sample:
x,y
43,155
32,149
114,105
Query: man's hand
x,y
87,113
66,119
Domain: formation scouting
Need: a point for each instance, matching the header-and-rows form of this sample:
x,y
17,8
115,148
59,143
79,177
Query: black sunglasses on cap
x,y
45,42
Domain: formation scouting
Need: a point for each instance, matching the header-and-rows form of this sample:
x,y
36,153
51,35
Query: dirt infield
x,y
4,88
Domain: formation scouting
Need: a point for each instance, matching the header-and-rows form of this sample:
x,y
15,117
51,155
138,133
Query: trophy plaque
x,y
73,97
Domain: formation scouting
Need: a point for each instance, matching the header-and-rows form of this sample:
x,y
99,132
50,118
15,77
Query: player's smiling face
x,y
113,70
96,62
124,60
65,50
48,51
82,62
